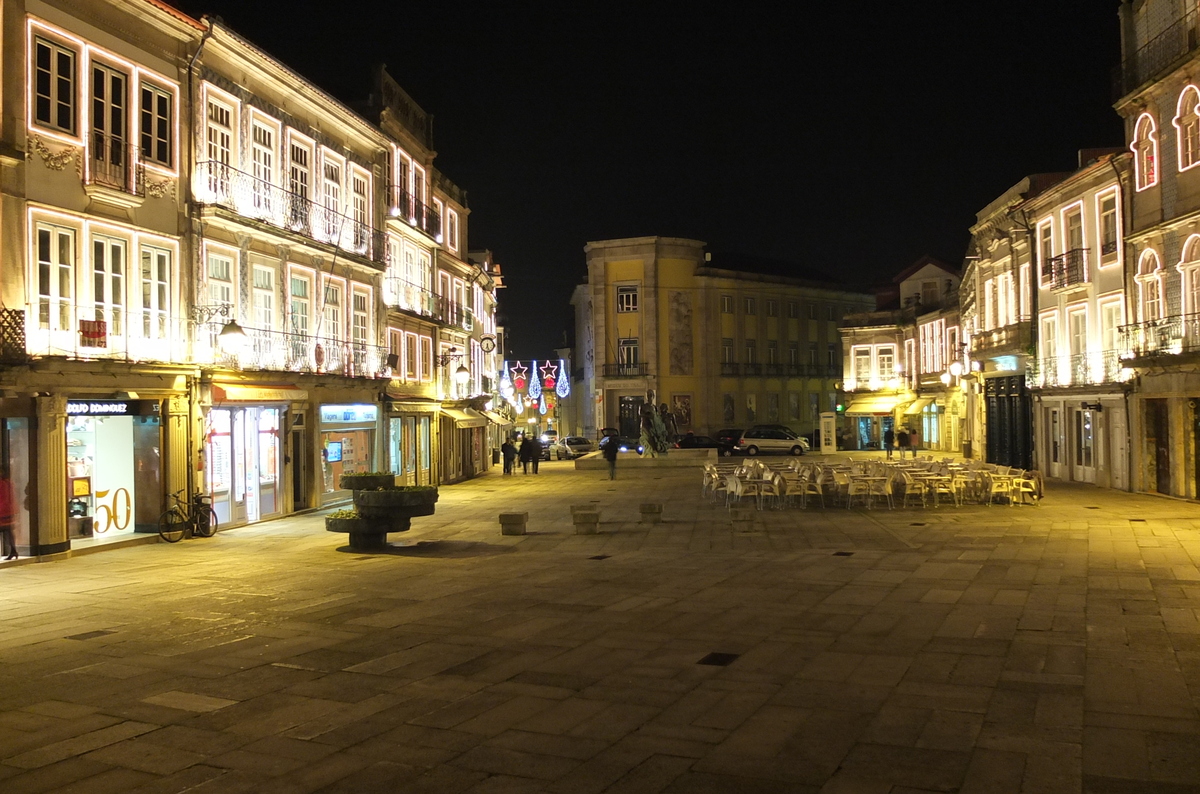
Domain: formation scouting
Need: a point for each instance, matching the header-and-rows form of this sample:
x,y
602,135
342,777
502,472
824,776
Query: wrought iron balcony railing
x,y
60,328
401,294
1011,338
293,352
1066,270
1156,55
406,206
1081,369
1169,336
113,163
625,370
259,199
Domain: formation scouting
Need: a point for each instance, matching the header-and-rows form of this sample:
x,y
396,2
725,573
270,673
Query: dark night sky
x,y
850,139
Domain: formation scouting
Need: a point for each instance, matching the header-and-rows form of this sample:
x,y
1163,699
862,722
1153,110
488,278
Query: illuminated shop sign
x,y
348,414
111,407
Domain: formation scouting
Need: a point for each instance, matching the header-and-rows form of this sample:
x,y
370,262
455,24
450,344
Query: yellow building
x,y
723,346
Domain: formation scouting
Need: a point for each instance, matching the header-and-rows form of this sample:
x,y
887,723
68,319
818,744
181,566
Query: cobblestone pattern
x,y
982,649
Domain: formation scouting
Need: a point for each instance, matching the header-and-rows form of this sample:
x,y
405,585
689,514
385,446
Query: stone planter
x,y
586,523
513,523
366,482
651,512
381,512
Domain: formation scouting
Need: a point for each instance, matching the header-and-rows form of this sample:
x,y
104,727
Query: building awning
x,y
410,402
223,393
496,418
465,417
918,405
873,405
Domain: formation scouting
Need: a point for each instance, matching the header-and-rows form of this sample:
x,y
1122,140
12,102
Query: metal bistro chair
x,y
881,488
914,487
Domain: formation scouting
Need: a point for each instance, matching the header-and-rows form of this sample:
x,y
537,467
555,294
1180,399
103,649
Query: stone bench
x,y
513,523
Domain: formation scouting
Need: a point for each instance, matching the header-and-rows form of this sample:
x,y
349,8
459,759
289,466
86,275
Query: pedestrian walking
x,y
902,437
508,451
523,455
609,446
8,518
889,441
535,454
914,441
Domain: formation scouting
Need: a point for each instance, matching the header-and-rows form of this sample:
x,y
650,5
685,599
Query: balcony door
x,y
108,110
1084,438
1054,442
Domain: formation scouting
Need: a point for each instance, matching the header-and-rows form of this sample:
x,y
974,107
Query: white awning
x,y
873,405
496,418
222,393
465,417
918,405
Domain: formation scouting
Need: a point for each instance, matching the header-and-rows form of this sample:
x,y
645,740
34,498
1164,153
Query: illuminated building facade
x,y
218,278
719,341
1158,97
904,363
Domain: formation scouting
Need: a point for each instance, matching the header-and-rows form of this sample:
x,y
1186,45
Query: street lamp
x,y
462,374
956,368
232,338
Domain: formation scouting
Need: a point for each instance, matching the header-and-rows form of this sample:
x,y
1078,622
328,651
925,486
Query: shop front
x,y
347,445
244,433
410,441
461,443
114,467
16,468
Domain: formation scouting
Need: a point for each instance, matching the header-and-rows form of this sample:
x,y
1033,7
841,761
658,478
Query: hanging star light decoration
x,y
549,373
518,371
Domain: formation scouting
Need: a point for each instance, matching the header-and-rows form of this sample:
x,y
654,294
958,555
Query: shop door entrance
x,y
630,423
1054,446
1084,459
244,457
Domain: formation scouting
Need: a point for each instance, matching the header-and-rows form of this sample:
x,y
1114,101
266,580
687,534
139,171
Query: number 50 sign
x,y
116,512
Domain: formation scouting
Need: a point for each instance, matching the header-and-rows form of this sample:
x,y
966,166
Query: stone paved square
x,y
975,649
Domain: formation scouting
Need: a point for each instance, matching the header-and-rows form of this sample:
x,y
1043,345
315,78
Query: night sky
x,y
850,139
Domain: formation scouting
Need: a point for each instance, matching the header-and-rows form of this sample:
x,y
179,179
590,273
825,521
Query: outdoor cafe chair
x,y
914,487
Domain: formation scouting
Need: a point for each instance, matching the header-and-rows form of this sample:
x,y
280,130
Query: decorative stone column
x,y
177,455
49,534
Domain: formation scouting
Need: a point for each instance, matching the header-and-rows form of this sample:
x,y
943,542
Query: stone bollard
x,y
513,523
651,512
587,522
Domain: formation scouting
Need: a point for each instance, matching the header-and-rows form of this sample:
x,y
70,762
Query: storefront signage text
x,y
98,408
348,414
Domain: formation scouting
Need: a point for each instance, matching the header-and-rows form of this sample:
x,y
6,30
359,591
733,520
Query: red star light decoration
x,y
549,371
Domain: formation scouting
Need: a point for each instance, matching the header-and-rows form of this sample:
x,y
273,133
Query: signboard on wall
x,y
348,414
111,407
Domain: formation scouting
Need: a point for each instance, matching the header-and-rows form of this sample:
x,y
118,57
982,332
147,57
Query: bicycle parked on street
x,y
183,518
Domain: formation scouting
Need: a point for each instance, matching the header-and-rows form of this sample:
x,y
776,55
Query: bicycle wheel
x,y
172,525
206,522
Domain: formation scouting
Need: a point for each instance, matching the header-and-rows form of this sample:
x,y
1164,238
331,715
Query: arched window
x,y
1145,152
1187,122
1150,284
1189,272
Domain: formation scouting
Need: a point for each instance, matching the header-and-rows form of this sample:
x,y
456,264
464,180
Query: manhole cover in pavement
x,y
719,659
600,557
91,635
843,554
919,524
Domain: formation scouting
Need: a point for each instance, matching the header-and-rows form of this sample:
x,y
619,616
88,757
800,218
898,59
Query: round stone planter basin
x,y
368,534
382,504
353,525
366,482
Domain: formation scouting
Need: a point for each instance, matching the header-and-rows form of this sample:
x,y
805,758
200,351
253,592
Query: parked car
x,y
627,444
723,449
729,436
758,440
804,440
572,447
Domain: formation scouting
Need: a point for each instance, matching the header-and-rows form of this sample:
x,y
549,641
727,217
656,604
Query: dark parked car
x,y
728,436
706,442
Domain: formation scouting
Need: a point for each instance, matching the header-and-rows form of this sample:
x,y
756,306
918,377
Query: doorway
x,y
299,461
243,454
1084,460
1158,442
630,419
1054,445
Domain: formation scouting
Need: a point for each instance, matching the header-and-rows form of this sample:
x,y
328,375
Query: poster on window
x,y
681,406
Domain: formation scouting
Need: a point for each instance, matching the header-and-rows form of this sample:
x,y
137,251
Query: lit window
x,y
108,282
452,229
1145,152
156,125
156,292
264,298
627,352
54,86
627,299
886,362
1187,121
1109,230
1150,283
107,142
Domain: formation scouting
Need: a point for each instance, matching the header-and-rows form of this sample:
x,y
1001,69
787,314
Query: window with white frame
x,y
812,354
751,348
54,82
359,209
793,310
1145,152
220,279
452,229
1109,227
1111,320
299,304
1077,339
727,350
1187,122
331,311
726,304
749,305
299,157
262,154
108,282
360,322
627,351
1049,340
772,308
426,358
627,299
331,197
263,297
156,292
794,354
219,148
108,116
157,124
1150,285
910,355
862,365
1045,251
886,362
1023,296
772,352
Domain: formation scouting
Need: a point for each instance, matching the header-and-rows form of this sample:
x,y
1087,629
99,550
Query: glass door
x,y
1084,463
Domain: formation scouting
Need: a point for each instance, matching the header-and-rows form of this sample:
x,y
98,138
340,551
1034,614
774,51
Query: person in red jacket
x,y
8,518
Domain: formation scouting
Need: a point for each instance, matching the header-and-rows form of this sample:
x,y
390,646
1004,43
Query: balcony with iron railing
x,y
284,351
112,165
1010,339
60,328
1158,54
1081,369
625,370
404,206
1168,336
1067,270
406,296
258,199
